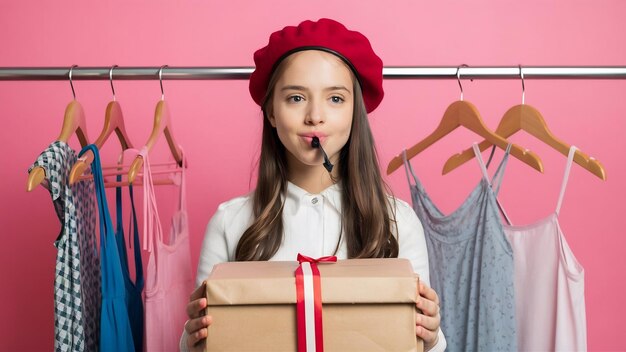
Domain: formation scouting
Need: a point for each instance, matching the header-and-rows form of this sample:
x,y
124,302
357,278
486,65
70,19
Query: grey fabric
x,y
471,267
77,273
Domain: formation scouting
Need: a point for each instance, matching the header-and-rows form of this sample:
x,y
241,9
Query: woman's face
x,y
314,96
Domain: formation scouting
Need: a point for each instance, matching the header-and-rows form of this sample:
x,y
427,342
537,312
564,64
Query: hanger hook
x,y
161,81
72,84
458,78
111,80
521,73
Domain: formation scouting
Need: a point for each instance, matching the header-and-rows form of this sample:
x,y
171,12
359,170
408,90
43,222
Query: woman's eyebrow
x,y
302,88
333,88
293,87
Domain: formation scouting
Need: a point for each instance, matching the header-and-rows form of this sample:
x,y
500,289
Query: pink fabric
x,y
168,276
549,285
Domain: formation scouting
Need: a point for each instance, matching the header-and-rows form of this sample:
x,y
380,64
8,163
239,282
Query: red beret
x,y
326,35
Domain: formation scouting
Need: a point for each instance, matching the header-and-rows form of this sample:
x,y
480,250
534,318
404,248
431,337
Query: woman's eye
x,y
336,99
295,98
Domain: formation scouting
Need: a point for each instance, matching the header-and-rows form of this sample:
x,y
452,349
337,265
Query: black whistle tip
x,y
315,143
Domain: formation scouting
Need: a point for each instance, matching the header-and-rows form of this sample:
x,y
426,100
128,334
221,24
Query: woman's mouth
x,y
308,137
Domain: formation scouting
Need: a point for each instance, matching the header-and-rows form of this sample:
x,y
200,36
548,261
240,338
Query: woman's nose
x,y
315,113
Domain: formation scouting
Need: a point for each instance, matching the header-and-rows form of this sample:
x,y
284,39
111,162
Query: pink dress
x,y
168,275
549,284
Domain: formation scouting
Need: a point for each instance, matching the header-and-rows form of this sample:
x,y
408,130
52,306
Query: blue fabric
x,y
134,302
115,330
471,267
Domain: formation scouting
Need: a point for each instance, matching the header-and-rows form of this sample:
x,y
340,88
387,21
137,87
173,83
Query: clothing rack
x,y
243,73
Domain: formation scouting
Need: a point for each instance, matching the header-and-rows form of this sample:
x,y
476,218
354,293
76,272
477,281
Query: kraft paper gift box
x,y
368,305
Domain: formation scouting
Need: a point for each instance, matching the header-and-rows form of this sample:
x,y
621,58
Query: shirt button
x,y
314,200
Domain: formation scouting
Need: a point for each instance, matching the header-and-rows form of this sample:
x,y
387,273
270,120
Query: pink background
x,y
218,124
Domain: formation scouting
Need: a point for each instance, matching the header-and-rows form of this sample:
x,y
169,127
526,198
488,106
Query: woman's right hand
x,y
198,323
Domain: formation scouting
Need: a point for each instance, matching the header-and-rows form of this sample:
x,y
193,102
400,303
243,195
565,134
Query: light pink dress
x,y
549,284
168,275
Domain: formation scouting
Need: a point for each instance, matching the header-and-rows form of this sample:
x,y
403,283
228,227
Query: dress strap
x,y
408,168
497,177
499,174
139,281
182,199
118,196
152,222
568,168
118,206
493,151
106,227
481,163
133,229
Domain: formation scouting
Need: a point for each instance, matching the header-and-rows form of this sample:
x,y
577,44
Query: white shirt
x,y
312,226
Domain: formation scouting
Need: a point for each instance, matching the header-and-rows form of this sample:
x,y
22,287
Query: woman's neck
x,y
313,179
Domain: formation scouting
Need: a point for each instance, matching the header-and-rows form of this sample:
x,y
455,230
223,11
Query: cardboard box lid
x,y
389,280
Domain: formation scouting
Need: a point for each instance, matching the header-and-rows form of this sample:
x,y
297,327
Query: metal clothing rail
x,y
243,73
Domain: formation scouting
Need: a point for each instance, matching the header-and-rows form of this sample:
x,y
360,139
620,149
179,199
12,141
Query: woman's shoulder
x,y
405,217
402,209
235,206
232,217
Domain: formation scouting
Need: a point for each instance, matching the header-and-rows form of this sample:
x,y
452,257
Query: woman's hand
x,y
427,322
198,323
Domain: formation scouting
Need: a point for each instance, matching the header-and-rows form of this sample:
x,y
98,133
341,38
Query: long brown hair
x,y
368,214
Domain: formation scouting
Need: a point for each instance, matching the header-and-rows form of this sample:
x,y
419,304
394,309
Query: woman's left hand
x,y
427,322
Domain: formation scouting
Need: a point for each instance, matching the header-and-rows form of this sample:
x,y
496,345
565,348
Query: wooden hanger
x,y
74,122
162,125
113,122
527,118
463,113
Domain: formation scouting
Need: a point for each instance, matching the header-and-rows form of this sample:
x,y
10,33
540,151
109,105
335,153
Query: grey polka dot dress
x,y
471,267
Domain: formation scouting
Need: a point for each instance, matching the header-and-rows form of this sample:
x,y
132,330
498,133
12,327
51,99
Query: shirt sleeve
x,y
182,344
441,344
411,240
214,248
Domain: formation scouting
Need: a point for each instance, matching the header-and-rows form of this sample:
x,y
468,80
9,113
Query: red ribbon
x,y
301,303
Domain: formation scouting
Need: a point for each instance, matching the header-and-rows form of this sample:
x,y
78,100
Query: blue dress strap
x,y
115,330
134,300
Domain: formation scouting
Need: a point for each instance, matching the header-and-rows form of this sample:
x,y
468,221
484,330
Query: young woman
x,y
316,83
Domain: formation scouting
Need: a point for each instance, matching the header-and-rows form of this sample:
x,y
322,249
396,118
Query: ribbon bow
x,y
328,259
309,303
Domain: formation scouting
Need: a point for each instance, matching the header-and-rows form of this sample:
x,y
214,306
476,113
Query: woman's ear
x,y
272,120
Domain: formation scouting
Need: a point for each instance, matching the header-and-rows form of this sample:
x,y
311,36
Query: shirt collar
x,y
332,195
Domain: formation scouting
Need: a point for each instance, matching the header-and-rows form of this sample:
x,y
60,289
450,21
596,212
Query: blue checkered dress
x,y
77,274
